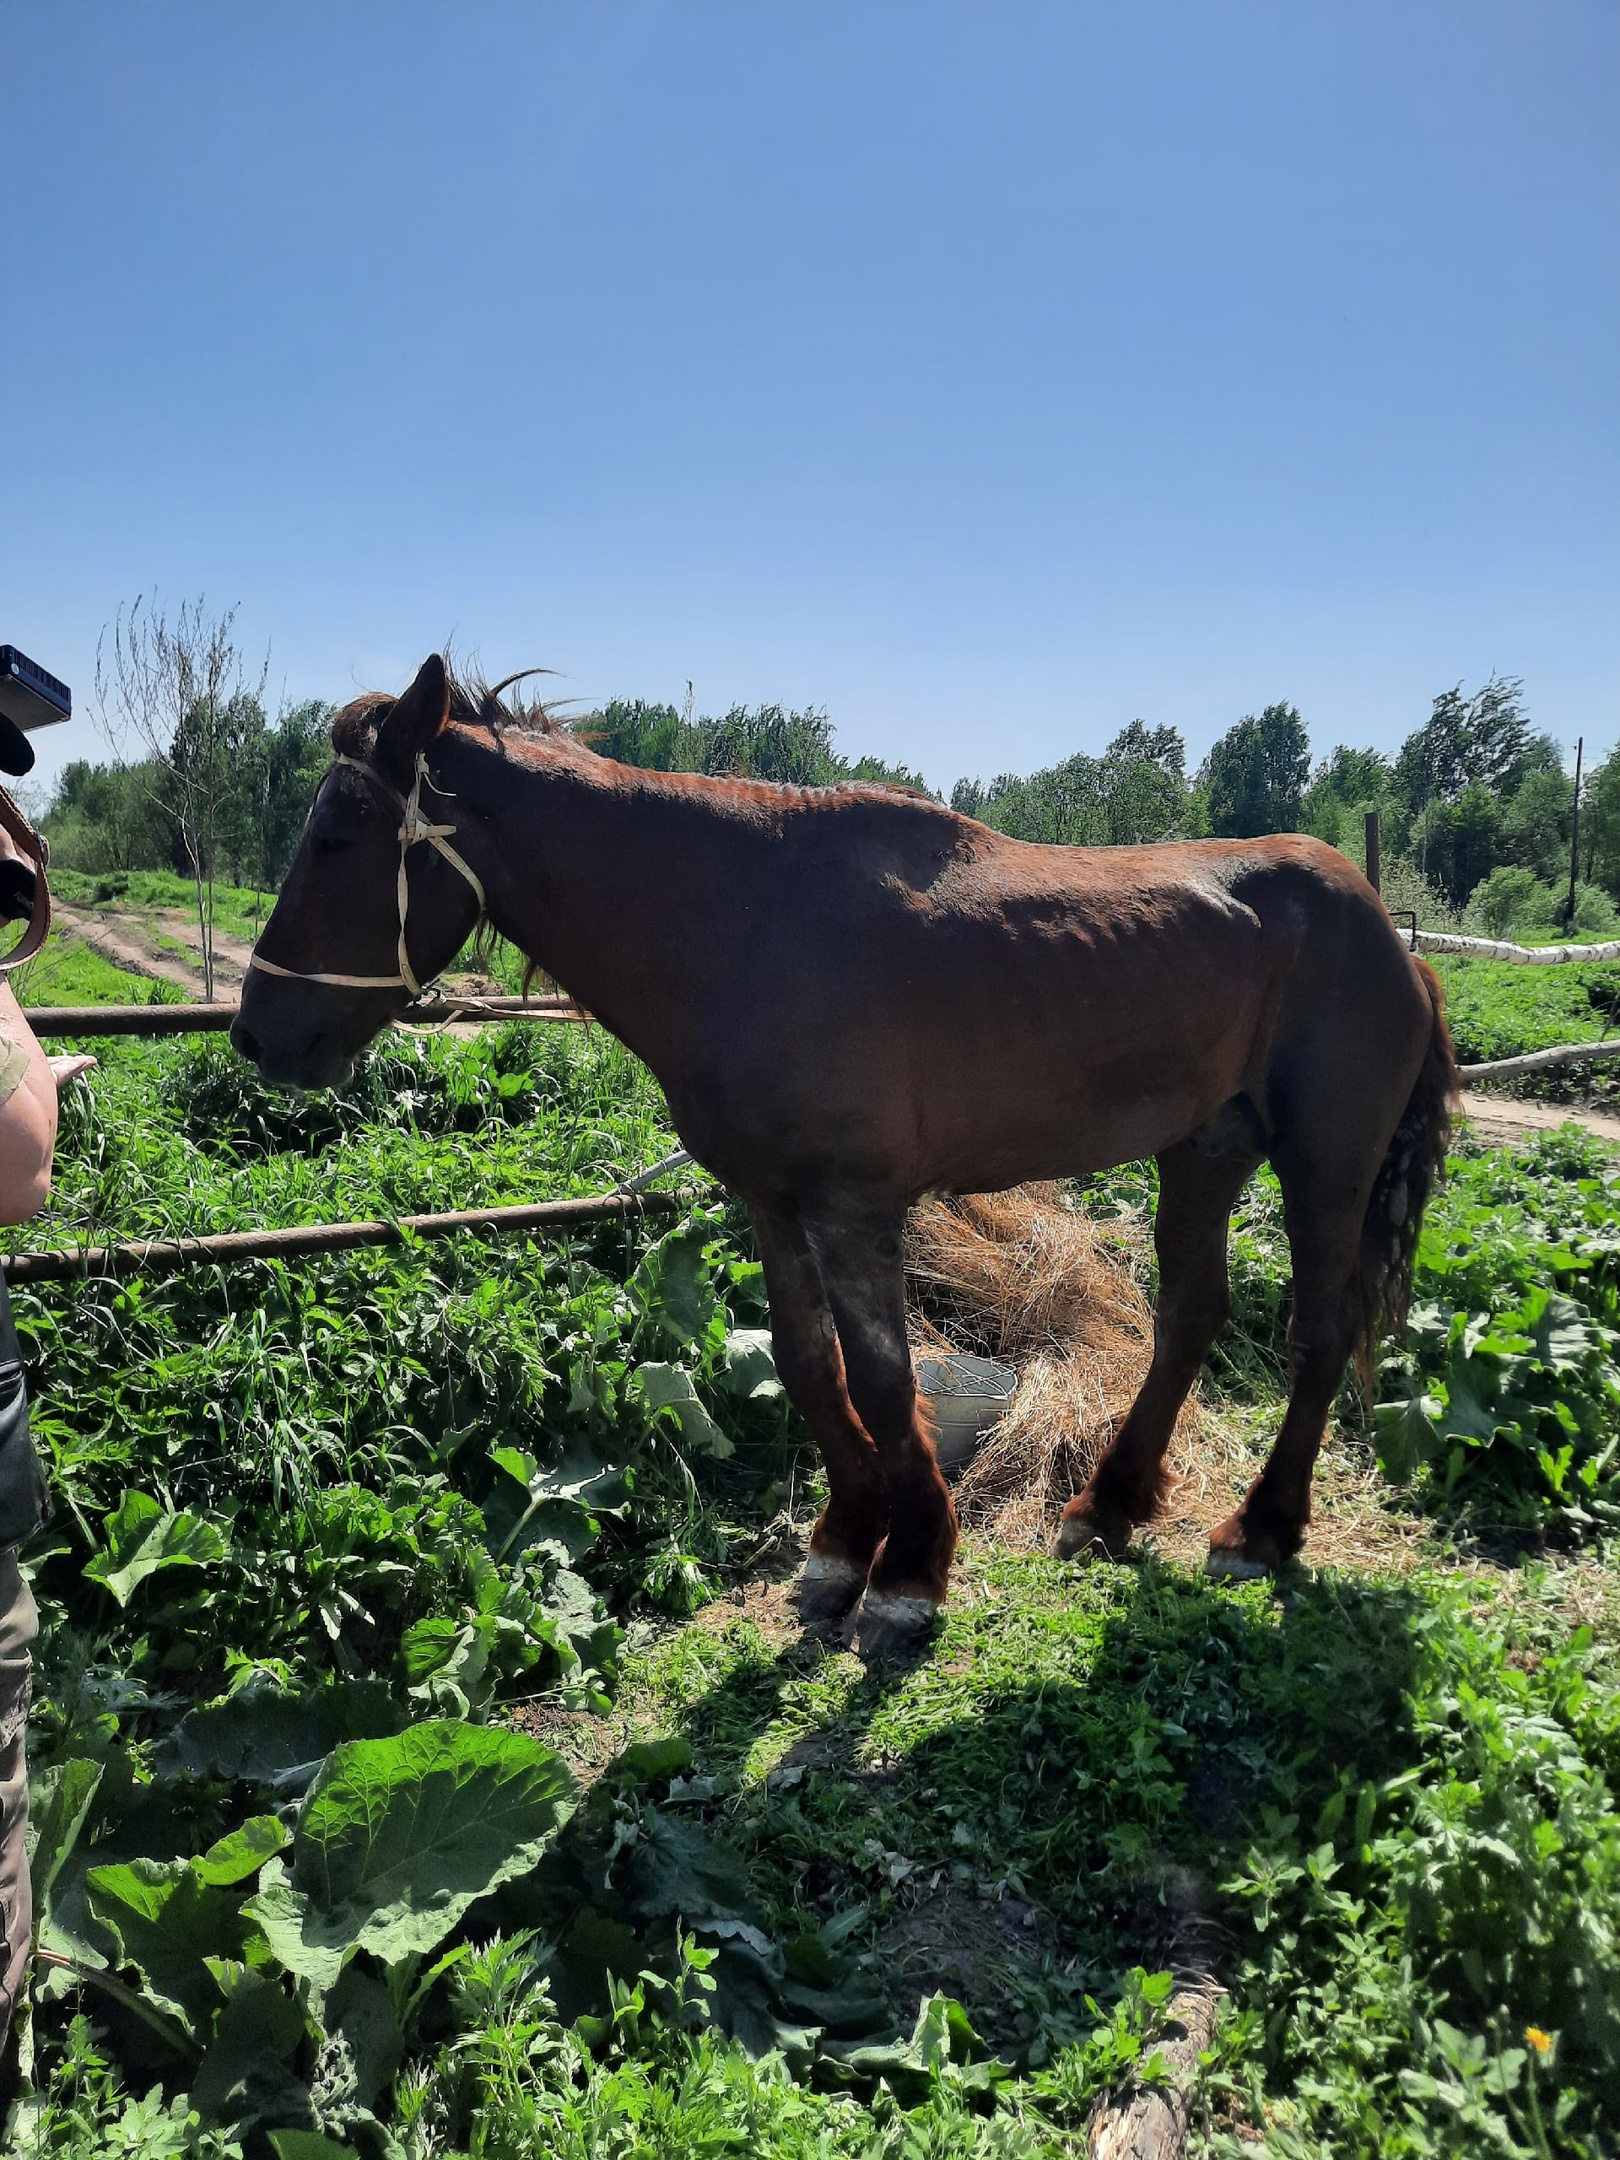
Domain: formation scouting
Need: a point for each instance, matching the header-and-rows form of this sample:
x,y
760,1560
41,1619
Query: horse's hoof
x,y
892,1624
826,1590
1234,1567
1244,1551
1090,1535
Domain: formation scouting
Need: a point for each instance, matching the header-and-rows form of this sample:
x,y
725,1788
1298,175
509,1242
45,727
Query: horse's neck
x,y
588,871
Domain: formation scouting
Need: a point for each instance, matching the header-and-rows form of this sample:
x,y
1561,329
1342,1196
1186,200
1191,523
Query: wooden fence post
x,y
1374,852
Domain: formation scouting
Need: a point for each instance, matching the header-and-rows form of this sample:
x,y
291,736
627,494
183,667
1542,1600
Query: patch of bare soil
x,y
137,943
1501,1122
230,953
766,1602
985,1949
126,943
586,1742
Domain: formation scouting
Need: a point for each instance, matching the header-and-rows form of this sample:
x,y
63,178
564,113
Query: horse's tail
x,y
1411,1169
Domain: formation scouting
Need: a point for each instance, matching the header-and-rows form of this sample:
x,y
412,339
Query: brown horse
x,y
852,996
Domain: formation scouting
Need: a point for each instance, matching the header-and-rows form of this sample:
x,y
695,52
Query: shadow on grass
x,y
1040,1803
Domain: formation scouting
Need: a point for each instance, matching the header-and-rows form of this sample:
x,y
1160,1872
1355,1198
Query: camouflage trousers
x,y
19,1623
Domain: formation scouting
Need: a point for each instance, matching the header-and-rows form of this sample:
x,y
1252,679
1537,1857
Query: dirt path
x,y
135,942
1503,1123
146,944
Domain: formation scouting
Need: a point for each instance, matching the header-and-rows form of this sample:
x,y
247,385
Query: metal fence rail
x,y
163,1256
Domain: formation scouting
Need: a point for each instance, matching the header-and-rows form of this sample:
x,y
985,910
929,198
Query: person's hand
x,y
66,1068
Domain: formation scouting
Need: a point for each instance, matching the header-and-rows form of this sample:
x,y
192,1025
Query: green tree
x,y
882,774
1484,738
1462,841
1136,791
1600,824
1535,822
297,750
1344,787
632,732
215,771
1255,775
108,817
771,743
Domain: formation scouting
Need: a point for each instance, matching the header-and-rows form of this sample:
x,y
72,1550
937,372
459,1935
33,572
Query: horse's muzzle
x,y
320,1061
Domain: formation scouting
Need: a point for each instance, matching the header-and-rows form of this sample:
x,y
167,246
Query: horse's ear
x,y
416,717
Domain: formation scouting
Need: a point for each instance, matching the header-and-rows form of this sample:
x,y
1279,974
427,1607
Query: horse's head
x,y
365,915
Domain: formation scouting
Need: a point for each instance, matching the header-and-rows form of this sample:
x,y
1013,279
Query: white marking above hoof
x,y
1233,1565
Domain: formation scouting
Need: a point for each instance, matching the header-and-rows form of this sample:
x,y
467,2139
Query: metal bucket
x,y
967,1396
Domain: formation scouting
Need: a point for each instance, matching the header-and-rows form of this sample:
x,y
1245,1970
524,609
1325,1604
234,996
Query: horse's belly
x,y
1069,1135
1063,1102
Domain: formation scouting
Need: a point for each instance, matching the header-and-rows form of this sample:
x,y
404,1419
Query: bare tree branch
x,y
175,687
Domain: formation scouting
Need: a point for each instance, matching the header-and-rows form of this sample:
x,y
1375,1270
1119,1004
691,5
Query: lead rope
x,y
414,828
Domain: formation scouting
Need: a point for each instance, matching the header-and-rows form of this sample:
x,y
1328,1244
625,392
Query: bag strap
x,y
37,849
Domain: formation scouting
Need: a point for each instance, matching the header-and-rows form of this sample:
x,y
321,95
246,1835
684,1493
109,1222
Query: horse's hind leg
x,y
1324,1206
811,1368
1196,1193
858,1247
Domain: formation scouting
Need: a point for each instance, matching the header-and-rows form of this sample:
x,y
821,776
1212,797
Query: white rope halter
x,y
413,828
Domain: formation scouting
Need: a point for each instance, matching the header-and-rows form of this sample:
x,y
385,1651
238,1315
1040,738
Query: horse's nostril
x,y
246,1042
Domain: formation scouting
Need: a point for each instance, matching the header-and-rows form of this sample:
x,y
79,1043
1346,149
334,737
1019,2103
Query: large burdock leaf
x,y
260,1733
673,1287
167,1921
58,1802
669,1387
751,1365
398,1837
143,1536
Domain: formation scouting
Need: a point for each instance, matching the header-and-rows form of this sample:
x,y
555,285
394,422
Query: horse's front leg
x,y
858,1247
811,1368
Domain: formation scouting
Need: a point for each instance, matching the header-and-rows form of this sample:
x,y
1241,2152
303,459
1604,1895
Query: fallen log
x,y
1540,1061
1150,2122
1479,948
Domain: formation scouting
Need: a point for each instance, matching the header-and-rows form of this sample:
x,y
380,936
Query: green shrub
x,y
1514,903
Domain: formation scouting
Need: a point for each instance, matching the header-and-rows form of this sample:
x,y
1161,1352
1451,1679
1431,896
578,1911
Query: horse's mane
x,y
473,703
477,704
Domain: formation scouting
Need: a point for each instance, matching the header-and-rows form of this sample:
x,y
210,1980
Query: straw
x,y
1026,1277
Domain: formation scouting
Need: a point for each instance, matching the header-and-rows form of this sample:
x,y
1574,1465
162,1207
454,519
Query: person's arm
x,y
27,1115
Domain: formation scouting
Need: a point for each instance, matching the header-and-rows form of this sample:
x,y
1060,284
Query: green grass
x,y
492,1482
1498,1010
69,973
1356,1777
239,910
177,1138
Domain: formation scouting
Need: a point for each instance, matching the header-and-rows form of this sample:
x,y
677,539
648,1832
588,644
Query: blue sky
x,y
990,375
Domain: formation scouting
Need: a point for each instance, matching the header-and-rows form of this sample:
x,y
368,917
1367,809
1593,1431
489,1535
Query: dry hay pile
x,y
1023,1277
